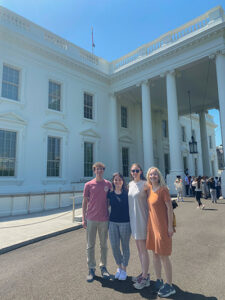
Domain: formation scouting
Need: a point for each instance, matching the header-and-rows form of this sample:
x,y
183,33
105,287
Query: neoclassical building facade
x,y
62,108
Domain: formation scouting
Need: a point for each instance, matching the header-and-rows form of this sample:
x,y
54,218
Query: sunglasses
x,y
135,171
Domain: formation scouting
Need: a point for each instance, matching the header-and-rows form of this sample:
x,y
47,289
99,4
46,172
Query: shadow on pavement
x,y
210,209
126,287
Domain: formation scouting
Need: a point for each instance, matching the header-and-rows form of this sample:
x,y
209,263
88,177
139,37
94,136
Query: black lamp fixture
x,y
192,144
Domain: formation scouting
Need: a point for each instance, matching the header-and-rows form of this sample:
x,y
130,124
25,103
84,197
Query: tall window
x,y
7,153
165,128
167,163
123,116
88,106
54,95
88,159
53,157
210,142
185,163
183,132
10,83
125,161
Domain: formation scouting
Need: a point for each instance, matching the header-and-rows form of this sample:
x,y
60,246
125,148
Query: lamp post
x,y
192,144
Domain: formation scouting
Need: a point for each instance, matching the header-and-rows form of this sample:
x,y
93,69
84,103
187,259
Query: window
x,y
10,83
183,132
88,106
53,157
123,116
185,163
210,142
167,163
125,161
7,153
164,128
54,95
88,159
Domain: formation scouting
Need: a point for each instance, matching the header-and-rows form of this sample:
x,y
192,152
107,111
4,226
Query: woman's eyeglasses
x,y
135,171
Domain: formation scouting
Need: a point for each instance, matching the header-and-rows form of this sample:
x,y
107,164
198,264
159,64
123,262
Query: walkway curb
x,y
38,239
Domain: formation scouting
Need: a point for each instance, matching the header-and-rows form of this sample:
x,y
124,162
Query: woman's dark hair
x,y
199,181
124,186
142,177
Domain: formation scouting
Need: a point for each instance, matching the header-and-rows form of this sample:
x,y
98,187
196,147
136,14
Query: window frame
x,y
165,129
93,106
121,117
60,155
15,159
91,163
56,82
11,83
183,134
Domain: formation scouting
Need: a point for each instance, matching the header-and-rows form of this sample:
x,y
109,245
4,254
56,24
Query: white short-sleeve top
x,y
138,209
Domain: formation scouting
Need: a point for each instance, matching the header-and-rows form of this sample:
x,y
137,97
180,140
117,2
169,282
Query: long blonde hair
x,y
161,179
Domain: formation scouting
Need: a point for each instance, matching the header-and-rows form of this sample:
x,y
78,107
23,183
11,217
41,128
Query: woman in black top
x,y
119,225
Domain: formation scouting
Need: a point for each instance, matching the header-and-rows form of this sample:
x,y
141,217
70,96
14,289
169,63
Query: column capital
x,y
112,94
146,82
220,52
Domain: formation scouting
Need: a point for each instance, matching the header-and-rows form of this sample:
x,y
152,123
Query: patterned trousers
x,y
120,232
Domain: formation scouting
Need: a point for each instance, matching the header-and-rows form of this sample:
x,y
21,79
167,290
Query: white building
x,y
62,108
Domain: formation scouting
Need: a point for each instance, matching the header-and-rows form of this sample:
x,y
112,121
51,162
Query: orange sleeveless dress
x,y
157,230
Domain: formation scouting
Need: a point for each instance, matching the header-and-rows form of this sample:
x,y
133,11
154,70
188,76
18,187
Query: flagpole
x,y
92,37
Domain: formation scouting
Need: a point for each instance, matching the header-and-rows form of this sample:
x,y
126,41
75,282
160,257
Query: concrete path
x,y
18,231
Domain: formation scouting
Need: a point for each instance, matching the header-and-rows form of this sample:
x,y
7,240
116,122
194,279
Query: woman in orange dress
x,y
160,230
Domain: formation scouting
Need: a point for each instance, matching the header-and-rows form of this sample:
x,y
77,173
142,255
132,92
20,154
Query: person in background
x,y
187,184
204,188
217,184
138,211
190,185
179,188
95,218
212,189
193,187
160,230
119,224
198,191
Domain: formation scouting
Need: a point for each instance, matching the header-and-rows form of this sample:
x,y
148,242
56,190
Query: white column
x,y
176,164
113,137
220,71
204,145
147,126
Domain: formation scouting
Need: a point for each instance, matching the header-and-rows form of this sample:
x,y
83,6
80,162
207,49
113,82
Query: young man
x,y
95,218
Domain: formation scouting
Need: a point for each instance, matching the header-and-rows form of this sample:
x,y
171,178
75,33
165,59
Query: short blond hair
x,y
161,179
98,164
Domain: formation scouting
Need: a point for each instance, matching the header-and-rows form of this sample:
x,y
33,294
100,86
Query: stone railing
x,y
48,39
212,17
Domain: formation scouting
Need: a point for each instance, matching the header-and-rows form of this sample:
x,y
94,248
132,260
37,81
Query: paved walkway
x,y
18,231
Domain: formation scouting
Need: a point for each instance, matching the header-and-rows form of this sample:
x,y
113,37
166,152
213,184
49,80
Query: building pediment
x,y
126,139
55,125
90,132
12,117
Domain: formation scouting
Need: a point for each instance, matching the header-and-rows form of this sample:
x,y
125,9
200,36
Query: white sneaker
x,y
142,283
123,275
117,275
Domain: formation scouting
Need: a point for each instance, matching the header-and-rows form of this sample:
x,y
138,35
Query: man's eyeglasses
x,y
135,171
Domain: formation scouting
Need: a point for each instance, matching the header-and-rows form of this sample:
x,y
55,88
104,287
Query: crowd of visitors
x,y
198,187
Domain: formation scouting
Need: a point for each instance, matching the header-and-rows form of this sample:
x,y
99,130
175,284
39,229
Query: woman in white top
x,y
138,211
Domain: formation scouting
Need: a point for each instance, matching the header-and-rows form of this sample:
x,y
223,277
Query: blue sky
x,y
120,26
